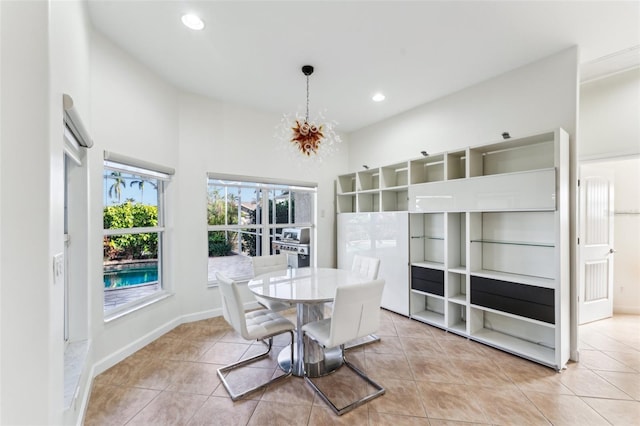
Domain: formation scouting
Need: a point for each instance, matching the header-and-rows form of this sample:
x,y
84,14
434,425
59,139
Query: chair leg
x,y
372,338
235,396
340,411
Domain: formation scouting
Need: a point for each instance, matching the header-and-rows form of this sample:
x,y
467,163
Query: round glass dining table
x,y
309,289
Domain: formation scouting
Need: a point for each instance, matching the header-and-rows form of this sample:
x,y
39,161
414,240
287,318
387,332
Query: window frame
x,y
264,227
162,177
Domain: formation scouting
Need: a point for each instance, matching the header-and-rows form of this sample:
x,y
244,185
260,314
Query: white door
x,y
596,244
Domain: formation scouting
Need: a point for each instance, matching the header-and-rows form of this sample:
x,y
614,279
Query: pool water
x,y
130,277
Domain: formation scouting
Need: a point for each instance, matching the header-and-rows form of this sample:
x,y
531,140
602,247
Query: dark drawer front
x,y
427,280
518,299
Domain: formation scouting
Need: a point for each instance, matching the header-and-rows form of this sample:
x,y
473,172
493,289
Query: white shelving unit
x,y
488,240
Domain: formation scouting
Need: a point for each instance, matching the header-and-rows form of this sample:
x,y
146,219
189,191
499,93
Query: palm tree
x,y
140,184
115,187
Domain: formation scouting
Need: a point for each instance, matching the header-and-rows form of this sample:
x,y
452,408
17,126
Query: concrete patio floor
x,y
237,267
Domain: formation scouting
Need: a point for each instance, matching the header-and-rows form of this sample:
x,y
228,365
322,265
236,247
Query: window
x,y
244,216
134,232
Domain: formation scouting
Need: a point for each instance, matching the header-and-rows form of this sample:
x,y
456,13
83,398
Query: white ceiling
x,y
250,53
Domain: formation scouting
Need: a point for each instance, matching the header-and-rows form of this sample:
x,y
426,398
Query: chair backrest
x,y
356,312
365,265
232,308
264,264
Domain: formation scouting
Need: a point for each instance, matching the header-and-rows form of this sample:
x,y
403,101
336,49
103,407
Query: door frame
x,y
581,248
592,159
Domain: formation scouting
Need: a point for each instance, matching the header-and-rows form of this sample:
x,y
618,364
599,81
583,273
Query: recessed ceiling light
x,y
192,21
378,97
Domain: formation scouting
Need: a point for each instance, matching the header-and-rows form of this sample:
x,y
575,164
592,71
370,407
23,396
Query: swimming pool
x,y
130,277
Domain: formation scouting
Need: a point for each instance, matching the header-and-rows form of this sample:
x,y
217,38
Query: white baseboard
x,y
628,310
114,358
109,361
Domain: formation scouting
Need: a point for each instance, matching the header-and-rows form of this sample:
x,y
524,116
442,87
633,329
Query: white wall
x,y
535,98
134,113
27,288
626,269
69,73
224,138
44,53
609,111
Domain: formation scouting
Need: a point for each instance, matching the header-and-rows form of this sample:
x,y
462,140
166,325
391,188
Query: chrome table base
x,y
318,362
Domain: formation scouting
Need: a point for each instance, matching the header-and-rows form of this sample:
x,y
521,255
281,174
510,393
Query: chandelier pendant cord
x,y
307,137
307,116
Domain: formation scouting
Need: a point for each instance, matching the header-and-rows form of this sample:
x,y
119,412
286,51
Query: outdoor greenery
x,y
223,209
219,244
131,246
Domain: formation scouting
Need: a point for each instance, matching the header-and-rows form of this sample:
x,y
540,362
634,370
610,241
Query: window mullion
x,y
125,231
265,223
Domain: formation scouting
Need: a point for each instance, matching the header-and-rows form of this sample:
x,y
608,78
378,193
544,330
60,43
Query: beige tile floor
x,y
431,377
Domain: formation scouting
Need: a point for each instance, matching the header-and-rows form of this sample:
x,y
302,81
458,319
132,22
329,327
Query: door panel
x,y
385,236
596,244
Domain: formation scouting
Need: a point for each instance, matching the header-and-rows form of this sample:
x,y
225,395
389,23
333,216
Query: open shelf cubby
x,y
530,339
394,200
368,202
368,180
457,287
456,164
516,155
395,175
427,237
346,183
427,308
457,318
346,203
516,245
427,169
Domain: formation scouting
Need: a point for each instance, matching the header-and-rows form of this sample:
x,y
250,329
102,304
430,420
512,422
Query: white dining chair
x,y
365,265
264,264
259,325
356,313
369,267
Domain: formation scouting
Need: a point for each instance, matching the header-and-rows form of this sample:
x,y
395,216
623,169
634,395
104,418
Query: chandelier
x,y
311,138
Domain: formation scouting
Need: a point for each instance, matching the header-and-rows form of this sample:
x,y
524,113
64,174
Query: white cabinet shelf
x,y
461,299
426,293
430,317
513,316
430,265
517,346
515,243
487,237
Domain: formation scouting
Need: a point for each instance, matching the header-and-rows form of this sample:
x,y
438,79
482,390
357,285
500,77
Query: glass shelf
x,y
515,243
424,237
